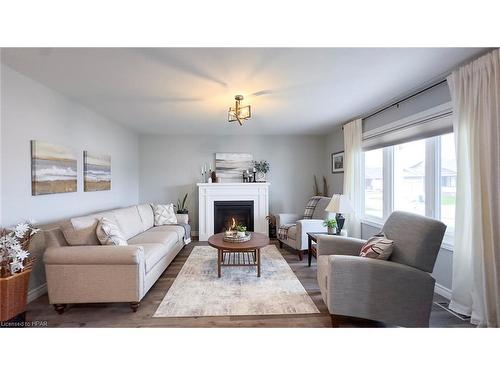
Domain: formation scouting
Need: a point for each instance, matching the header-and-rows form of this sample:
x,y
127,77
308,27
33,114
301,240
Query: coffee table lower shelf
x,y
238,258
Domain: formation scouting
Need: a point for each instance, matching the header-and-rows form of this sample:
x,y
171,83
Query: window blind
x,y
433,122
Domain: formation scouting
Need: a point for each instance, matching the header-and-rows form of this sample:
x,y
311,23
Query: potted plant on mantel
x,y
262,167
15,269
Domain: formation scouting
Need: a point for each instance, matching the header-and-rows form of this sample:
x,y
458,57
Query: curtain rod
x,y
404,99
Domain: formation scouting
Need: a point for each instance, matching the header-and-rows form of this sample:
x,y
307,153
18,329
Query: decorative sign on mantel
x,y
230,166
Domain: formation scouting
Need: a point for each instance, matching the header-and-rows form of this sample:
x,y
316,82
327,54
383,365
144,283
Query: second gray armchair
x,y
398,291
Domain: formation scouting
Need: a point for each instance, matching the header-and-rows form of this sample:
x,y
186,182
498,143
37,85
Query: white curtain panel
x,y
352,175
475,91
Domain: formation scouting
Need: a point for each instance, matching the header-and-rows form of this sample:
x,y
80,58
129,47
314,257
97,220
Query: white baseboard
x,y
37,292
442,291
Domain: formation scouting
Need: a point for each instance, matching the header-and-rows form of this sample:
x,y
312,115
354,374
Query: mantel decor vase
x,y
14,294
261,177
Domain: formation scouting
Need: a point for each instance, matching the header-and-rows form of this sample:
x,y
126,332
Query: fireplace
x,y
225,211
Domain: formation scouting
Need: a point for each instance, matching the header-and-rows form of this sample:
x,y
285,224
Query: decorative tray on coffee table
x,y
233,237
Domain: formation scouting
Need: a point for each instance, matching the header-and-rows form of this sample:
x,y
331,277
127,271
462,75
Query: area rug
x,y
197,291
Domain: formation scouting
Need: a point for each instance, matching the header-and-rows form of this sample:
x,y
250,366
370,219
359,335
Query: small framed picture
x,y
338,162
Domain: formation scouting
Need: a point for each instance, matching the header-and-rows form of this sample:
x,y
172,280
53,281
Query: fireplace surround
x,y
209,193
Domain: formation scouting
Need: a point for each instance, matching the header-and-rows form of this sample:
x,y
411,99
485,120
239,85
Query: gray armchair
x,y
398,291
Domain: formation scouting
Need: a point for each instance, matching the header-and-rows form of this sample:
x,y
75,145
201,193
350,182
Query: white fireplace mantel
x,y
257,192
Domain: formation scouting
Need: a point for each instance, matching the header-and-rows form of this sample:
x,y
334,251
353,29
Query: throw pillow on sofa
x,y
108,233
377,247
79,237
164,214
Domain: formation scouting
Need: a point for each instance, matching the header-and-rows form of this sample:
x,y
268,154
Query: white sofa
x,y
80,270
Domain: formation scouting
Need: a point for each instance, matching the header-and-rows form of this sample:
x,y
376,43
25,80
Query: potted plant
x,y
181,206
272,225
331,224
15,269
241,230
262,167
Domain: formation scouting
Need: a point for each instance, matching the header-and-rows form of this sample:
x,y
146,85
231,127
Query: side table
x,y
312,239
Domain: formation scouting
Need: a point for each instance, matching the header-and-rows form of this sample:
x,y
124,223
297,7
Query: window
x,y
374,183
418,176
409,177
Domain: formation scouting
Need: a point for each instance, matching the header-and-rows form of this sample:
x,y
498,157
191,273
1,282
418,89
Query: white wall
x,y
170,166
33,111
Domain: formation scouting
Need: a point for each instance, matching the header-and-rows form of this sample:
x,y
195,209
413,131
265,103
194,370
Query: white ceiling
x,y
189,90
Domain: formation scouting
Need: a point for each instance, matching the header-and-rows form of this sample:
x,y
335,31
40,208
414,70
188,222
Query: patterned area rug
x,y
198,292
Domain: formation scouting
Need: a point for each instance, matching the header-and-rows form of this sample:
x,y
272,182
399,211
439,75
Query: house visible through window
x,y
409,177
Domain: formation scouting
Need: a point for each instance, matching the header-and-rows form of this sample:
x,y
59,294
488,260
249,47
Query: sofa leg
x,y
59,307
134,306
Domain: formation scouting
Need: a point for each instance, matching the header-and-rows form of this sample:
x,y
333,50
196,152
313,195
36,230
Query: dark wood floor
x,y
120,315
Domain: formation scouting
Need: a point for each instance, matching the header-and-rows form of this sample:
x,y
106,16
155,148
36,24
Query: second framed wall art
x,y
338,162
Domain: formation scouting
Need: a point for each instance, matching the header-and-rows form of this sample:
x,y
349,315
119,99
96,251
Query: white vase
x,y
261,177
332,230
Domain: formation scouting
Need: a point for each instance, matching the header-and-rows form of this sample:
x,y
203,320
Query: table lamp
x,y
339,204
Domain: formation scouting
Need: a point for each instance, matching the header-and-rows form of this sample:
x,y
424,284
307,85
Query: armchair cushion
x,y
282,219
292,232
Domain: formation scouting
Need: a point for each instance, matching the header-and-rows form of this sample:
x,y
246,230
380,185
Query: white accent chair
x,y
297,234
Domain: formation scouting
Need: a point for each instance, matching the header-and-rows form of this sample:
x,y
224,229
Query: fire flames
x,y
232,225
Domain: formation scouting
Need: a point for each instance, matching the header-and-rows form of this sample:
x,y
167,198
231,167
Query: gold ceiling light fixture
x,y
239,113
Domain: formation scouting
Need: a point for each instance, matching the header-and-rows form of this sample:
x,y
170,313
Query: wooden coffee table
x,y
242,254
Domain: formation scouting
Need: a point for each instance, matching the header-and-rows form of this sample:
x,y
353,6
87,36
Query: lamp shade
x,y
339,204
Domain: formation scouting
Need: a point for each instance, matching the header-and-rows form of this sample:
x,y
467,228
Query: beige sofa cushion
x,y
167,238
129,221
84,236
177,229
153,253
147,216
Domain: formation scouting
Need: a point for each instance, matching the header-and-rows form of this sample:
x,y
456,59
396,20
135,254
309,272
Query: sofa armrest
x,y
182,218
379,290
339,245
130,254
282,219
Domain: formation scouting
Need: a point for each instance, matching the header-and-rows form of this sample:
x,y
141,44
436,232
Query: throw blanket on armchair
x,y
308,214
